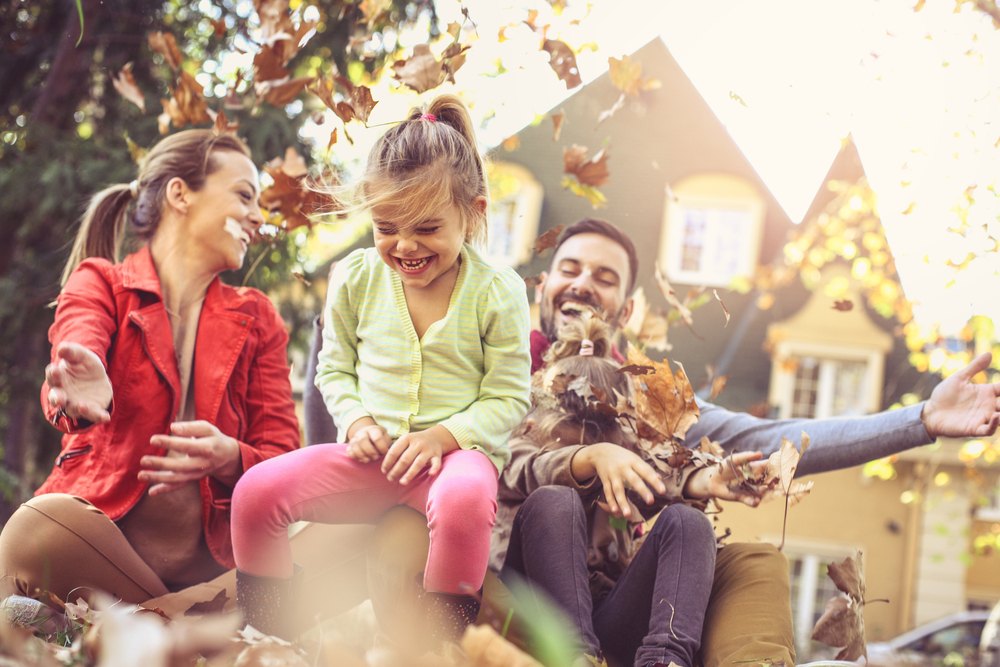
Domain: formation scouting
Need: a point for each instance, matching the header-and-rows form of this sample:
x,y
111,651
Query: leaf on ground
x,y
843,305
124,83
213,606
663,399
724,309
593,172
843,620
563,61
548,240
557,122
165,44
627,76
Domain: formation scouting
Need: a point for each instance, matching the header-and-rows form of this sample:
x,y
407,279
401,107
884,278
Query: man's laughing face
x,y
588,271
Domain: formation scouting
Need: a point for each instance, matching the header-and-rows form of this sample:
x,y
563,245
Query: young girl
x,y
639,594
425,367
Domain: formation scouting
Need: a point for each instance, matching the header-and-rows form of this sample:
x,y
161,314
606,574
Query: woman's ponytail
x,y
101,228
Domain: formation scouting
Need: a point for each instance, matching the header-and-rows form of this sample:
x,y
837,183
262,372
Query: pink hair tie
x,y
428,116
586,348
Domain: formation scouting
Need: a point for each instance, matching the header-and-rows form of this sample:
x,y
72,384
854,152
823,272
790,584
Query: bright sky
x,y
809,72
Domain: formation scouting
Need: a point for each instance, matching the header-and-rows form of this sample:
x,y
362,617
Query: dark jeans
x,y
656,610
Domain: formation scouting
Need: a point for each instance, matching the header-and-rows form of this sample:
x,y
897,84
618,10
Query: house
x,y
681,188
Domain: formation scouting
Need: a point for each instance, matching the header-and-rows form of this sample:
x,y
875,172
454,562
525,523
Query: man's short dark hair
x,y
607,230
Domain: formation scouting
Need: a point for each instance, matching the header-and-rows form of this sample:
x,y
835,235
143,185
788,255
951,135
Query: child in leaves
x,y
628,554
424,367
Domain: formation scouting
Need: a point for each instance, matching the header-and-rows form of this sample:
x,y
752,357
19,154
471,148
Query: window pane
x,y
693,245
730,241
805,388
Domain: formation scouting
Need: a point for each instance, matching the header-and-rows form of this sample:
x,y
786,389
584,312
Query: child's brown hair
x,y
591,335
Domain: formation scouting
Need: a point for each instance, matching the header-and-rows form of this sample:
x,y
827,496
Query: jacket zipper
x,y
239,416
72,454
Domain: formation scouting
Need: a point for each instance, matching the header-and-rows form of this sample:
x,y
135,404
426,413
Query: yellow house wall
x,y
844,508
982,577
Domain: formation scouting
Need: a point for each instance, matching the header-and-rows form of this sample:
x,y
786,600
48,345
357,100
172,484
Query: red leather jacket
x,y
240,375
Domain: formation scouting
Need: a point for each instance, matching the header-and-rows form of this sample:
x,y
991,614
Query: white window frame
x,y
525,207
813,554
782,389
672,239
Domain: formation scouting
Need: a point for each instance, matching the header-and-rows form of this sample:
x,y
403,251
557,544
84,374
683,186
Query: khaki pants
x,y
65,545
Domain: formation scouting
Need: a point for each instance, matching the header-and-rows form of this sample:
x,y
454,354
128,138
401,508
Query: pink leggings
x,y
324,485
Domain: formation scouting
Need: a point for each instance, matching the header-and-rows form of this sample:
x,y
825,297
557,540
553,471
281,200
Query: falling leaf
x,y
292,194
222,124
671,296
615,108
843,620
736,97
124,83
333,139
136,151
219,27
843,305
593,172
592,194
548,240
532,281
645,326
663,399
627,76
423,72
283,93
636,369
910,208
302,279
718,384
511,143
165,44
563,61
214,606
724,309
557,123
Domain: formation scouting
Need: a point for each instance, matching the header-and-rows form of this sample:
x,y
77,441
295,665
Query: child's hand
x,y
721,481
414,451
619,470
367,442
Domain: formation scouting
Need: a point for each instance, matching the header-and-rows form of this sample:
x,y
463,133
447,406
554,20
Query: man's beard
x,y
549,307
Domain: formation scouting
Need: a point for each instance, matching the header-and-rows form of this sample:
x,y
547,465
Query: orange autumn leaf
x,y
843,305
293,195
593,172
548,240
557,122
285,93
124,83
222,124
219,27
165,44
663,400
188,95
333,139
718,384
562,60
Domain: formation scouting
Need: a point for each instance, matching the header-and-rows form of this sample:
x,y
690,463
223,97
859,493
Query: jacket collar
x,y
139,273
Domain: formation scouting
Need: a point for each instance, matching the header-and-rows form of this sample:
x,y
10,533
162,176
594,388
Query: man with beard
x,y
749,616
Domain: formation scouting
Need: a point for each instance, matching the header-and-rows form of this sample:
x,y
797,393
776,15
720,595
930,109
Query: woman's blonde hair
x,y
425,163
599,370
186,155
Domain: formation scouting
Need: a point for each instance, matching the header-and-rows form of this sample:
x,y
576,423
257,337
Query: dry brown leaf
x,y
423,72
718,384
724,309
844,305
333,139
165,44
646,325
562,60
268,65
214,606
219,27
548,240
593,172
557,122
285,93
843,620
710,447
627,76
293,195
124,83
222,124
671,296
663,399
189,101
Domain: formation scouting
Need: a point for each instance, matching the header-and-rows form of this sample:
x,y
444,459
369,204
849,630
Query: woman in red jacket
x,y
167,383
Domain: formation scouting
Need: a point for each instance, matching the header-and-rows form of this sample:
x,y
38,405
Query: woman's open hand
x,y
79,384
196,449
723,482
